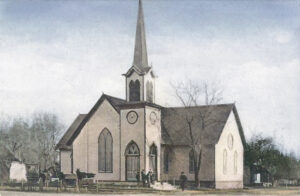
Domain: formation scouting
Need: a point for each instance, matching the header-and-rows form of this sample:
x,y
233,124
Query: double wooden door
x,y
132,167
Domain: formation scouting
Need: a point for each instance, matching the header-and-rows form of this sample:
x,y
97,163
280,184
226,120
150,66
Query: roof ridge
x,y
198,106
109,96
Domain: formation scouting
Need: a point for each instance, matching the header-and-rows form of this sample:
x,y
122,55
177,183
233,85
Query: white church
x,y
119,137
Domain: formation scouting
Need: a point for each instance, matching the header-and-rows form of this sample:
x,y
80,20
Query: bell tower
x,y
140,79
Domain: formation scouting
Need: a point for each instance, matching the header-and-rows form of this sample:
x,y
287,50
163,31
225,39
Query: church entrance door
x,y
153,160
132,154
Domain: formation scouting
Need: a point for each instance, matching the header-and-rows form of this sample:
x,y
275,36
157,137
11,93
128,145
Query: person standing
x,y
183,180
149,174
143,178
138,177
152,177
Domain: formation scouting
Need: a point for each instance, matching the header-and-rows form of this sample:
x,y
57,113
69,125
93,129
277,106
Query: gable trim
x,y
89,115
239,125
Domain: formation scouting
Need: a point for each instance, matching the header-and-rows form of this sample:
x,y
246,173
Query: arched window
x,y
149,90
132,149
166,160
191,162
235,162
153,150
134,90
153,160
105,152
225,161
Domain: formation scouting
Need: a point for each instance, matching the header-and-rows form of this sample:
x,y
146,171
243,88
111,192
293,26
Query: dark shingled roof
x,y
62,144
173,122
175,129
138,70
115,102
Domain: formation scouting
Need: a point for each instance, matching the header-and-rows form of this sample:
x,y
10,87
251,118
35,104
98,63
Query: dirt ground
x,y
245,192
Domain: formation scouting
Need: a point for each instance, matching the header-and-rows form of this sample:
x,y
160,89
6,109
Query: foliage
x,y
263,152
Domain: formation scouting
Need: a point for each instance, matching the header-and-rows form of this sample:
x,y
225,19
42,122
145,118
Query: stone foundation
x,y
229,184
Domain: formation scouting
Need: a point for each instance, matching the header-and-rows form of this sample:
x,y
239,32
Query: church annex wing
x,y
175,128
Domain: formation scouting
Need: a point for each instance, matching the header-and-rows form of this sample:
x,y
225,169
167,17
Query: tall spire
x,y
140,50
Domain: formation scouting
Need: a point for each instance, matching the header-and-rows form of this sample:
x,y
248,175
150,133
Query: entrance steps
x,y
163,186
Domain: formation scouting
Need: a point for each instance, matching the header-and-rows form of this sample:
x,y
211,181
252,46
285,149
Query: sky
x,y
60,56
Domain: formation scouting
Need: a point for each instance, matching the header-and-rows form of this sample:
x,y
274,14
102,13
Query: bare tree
x,y
45,132
32,140
15,138
192,94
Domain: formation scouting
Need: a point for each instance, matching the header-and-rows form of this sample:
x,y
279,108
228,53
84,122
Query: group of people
x,y
147,179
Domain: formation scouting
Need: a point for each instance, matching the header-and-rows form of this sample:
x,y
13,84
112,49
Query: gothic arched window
x,y
153,160
149,90
166,160
191,162
134,90
224,161
235,162
132,149
105,152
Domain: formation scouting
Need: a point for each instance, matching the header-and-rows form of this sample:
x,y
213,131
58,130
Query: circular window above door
x,y
132,117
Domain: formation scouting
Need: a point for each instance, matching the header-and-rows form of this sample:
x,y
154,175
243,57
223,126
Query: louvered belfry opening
x,y
134,90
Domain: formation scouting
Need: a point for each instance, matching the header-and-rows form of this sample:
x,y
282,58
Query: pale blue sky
x,y
59,56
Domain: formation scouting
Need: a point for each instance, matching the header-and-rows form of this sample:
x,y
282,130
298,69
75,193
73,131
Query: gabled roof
x,y
239,124
62,144
66,141
173,121
175,129
138,104
115,102
138,70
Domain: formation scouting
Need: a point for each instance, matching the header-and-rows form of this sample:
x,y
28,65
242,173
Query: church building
x,y
119,137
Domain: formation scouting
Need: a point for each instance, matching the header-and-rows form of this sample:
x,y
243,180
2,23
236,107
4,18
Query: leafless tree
x,y
45,132
32,139
193,94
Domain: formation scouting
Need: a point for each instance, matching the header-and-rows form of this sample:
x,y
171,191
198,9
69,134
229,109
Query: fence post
x,y
77,185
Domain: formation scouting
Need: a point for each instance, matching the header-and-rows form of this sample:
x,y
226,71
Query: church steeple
x,y
140,50
140,79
